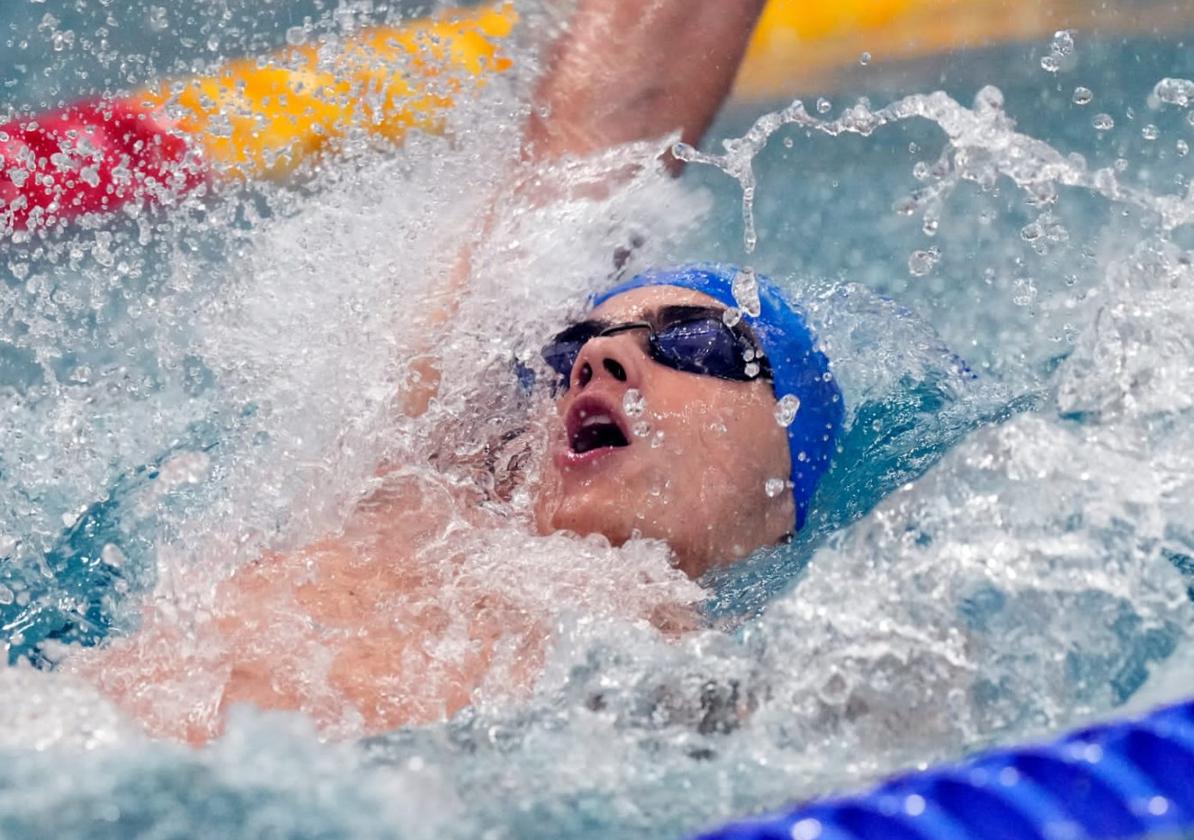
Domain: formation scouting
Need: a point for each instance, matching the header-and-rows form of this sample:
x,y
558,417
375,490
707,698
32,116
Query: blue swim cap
x,y
797,367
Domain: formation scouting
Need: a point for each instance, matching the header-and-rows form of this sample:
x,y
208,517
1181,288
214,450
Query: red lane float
x,y
90,157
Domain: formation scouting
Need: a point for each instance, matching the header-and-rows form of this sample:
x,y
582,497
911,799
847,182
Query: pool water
x,y
1001,550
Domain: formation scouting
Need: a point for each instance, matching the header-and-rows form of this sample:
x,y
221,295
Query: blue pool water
x,y
1001,550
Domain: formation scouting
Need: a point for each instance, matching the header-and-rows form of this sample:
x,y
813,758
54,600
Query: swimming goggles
x,y
685,338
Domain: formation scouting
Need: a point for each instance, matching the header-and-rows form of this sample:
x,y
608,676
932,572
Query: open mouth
x,y
593,426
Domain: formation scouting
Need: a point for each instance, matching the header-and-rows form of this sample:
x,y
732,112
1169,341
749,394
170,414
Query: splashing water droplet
x,y
159,21
745,289
1150,132
1103,122
1179,92
1050,63
1063,42
731,316
641,429
752,369
807,829
864,59
657,440
786,408
773,487
1083,95
823,105
112,555
634,403
921,263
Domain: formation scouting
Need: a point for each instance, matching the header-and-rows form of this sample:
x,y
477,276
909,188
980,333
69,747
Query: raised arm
x,y
635,69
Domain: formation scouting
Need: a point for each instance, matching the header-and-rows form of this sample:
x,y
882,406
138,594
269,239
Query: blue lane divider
x,y
1115,781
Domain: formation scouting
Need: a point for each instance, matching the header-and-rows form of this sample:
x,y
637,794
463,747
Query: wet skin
x,y
696,479
371,628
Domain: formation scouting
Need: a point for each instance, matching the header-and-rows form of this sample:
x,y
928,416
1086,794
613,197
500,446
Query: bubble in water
x,y
657,439
1103,122
1083,95
922,262
634,403
773,487
752,369
1150,132
296,35
6,595
641,429
1182,148
864,59
746,292
731,316
1050,63
786,408
823,105
1178,92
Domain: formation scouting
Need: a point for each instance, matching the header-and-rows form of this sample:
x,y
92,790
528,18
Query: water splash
x,y
982,146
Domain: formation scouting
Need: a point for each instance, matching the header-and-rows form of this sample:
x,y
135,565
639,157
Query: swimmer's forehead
x,y
637,303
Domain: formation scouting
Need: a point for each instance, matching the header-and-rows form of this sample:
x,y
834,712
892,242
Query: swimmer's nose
x,y
617,358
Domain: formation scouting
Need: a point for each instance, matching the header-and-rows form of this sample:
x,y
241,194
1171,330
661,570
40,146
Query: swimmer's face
x,y
695,462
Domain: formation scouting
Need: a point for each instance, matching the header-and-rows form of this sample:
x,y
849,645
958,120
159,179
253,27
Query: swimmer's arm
x,y
638,69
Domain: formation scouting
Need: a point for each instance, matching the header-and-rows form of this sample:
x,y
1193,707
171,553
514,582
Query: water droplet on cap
x,y
745,289
786,408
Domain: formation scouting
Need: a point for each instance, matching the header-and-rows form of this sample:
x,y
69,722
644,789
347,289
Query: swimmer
x,y
356,629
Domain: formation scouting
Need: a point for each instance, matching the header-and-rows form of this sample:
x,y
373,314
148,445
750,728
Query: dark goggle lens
x,y
705,346
561,357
